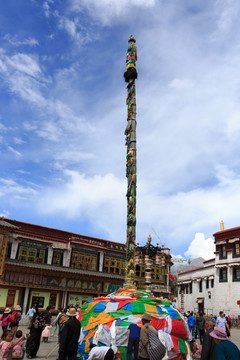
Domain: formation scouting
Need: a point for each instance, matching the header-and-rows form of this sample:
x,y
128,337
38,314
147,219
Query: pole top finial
x,y
131,38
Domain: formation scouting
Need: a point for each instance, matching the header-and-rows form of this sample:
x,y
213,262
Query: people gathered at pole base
x,y
209,336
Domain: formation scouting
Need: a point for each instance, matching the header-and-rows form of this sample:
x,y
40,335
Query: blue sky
x,y
63,115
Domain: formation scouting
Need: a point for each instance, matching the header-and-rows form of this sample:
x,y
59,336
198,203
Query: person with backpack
x,y
14,319
19,349
150,347
33,342
5,319
7,344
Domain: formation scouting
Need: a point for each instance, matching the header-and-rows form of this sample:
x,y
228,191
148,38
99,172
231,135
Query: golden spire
x,y
221,225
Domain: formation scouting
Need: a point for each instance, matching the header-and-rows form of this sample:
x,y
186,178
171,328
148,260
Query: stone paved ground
x,y
45,348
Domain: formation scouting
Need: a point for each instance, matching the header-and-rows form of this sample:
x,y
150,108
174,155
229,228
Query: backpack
x,y
156,349
17,352
13,317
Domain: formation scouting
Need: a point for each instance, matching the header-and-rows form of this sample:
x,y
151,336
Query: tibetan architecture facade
x,y
54,267
215,286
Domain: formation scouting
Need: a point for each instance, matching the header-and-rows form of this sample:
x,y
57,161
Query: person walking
x,y
70,333
33,342
5,319
31,313
209,344
133,341
221,321
225,349
200,326
191,323
14,319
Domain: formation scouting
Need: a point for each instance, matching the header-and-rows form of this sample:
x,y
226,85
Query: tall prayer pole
x,y
131,165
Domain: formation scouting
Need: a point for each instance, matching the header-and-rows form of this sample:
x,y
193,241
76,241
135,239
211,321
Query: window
x,y
207,284
81,261
32,254
236,249
200,286
236,274
114,266
186,289
190,288
223,275
8,251
57,258
223,251
212,283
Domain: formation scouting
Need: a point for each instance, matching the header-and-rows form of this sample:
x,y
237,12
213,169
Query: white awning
x,y
233,240
187,282
200,300
221,265
199,279
234,264
211,277
221,242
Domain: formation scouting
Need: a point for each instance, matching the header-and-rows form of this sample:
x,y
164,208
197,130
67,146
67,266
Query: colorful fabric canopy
x,y
105,322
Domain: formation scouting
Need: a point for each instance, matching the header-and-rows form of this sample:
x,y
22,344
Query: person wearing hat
x,y
225,349
14,319
144,336
70,333
5,319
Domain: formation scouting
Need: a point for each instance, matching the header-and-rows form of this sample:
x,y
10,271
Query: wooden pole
x,y
131,162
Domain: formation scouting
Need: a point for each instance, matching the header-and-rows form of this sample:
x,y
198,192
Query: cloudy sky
x,y
63,115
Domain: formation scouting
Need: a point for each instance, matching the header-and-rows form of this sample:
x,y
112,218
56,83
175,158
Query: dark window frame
x,y
222,277
221,251
207,283
234,250
200,286
190,288
236,274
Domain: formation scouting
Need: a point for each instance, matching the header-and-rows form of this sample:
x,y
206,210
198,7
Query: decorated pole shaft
x,y
131,167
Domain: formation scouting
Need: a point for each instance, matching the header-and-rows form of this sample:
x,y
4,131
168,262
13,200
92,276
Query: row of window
x,y
29,252
223,277
223,274
188,287
235,250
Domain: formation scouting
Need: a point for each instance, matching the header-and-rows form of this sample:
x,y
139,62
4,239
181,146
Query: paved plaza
x,y
45,348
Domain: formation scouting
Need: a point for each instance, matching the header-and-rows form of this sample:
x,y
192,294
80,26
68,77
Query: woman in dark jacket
x,y
33,342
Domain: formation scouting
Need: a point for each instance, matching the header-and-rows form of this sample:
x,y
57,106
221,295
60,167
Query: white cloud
x,y
97,199
17,191
15,152
201,247
5,213
108,10
25,64
18,140
15,42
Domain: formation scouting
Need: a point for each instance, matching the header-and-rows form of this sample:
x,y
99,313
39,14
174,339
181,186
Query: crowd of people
x,y
213,333
209,336
15,345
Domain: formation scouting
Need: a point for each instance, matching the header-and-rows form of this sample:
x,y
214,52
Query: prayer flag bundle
x,y
105,322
